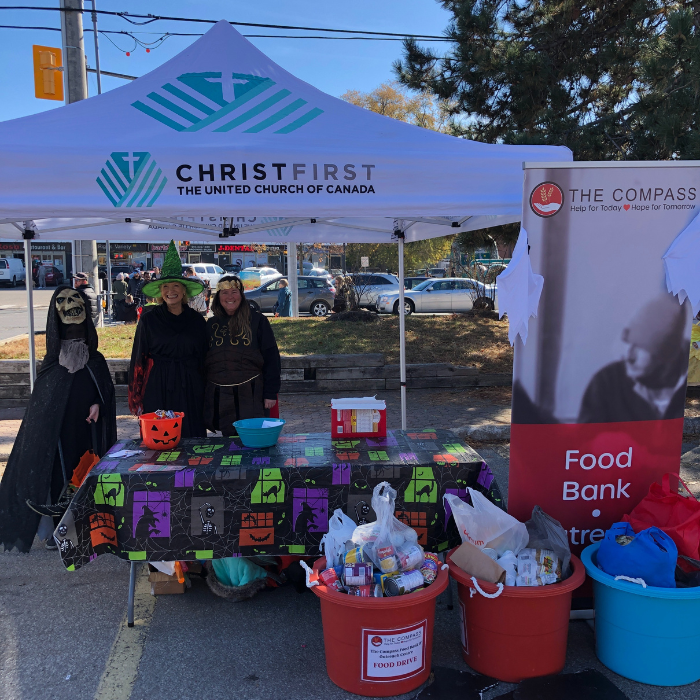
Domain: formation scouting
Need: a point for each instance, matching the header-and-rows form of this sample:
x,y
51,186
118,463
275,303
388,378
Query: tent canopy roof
x,y
222,131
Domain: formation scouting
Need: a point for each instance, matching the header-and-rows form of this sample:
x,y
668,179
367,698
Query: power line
x,y
154,18
248,36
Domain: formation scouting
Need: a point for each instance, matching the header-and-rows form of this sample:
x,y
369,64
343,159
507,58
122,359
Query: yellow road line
x,y
122,666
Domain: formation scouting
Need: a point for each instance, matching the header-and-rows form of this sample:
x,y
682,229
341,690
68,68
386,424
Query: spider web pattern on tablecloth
x,y
216,499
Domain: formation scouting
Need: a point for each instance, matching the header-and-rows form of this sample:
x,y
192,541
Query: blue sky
x,y
332,66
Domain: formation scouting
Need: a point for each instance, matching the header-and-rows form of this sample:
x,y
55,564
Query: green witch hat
x,y
172,272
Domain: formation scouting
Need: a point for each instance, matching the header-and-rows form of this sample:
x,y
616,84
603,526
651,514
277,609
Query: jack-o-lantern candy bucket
x,y
161,433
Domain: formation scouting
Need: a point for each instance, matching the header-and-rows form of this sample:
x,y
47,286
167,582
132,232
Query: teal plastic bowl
x,y
252,433
651,635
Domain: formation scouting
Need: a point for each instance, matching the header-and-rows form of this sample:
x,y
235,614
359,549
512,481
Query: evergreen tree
x,y
610,79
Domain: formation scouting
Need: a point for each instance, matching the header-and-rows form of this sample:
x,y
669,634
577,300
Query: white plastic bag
x,y
390,544
340,529
510,563
486,525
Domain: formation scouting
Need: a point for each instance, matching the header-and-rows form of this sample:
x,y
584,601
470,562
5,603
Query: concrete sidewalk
x,y
311,413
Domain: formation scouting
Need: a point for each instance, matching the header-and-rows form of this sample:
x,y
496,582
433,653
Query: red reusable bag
x,y
678,515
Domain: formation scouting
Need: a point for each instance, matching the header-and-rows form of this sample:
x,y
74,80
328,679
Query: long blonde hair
x,y
239,323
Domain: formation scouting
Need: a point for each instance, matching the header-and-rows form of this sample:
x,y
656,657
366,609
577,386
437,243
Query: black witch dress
x,y
167,366
241,372
57,413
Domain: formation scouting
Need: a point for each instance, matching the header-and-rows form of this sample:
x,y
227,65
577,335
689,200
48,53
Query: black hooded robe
x,y
167,366
58,408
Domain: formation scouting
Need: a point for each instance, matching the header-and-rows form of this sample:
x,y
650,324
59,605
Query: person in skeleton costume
x,y
73,390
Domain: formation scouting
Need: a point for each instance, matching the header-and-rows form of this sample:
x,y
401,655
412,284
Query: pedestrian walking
x,y
80,281
42,277
199,302
284,300
135,287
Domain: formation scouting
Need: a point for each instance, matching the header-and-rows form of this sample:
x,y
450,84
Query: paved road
x,y
64,634
13,311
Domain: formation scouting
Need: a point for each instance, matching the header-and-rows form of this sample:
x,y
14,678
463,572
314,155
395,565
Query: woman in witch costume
x,y
167,359
72,391
243,363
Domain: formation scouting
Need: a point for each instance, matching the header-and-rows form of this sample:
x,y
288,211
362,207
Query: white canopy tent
x,y
220,135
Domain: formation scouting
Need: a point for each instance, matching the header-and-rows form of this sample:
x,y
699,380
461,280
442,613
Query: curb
x,y
483,432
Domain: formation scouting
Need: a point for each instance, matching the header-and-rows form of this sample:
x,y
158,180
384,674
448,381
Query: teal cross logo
x,y
226,101
131,179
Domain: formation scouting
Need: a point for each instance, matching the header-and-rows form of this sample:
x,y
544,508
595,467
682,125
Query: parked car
x,y
208,272
254,277
411,282
449,295
317,272
316,295
437,272
54,276
12,271
370,286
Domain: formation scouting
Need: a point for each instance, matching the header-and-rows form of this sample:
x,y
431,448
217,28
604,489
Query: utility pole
x,y
75,84
73,50
97,51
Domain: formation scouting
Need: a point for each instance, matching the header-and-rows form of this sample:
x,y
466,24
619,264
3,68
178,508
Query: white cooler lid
x,y
369,402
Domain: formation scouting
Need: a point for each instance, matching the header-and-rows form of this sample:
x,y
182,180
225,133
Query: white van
x,y
12,271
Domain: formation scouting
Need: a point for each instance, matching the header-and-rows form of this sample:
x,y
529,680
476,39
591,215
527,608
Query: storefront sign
x,y
599,388
12,246
231,248
393,655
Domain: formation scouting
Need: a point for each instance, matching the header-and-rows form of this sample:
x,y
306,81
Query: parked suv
x,y
316,295
12,271
208,272
370,286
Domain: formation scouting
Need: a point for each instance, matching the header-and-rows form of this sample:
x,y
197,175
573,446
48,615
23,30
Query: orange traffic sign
x,y
48,73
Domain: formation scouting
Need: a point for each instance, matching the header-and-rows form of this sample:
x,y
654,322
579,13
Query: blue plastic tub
x,y
651,635
252,433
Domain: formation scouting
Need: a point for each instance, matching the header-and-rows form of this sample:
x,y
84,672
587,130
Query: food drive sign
x,y
393,655
599,387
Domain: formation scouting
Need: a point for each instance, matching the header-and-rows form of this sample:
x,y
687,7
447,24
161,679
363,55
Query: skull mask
x,y
70,306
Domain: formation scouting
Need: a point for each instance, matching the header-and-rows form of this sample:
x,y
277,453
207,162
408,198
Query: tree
x,y
393,100
503,237
610,79
385,256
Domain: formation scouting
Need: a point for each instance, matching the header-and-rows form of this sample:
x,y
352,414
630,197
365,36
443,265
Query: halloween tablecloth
x,y
214,498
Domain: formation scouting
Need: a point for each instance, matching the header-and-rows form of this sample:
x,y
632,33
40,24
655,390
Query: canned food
x,y
388,565
412,558
361,591
355,556
430,568
358,574
403,583
375,591
330,578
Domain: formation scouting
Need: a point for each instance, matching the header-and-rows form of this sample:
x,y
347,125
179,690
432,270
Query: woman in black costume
x,y
167,359
72,390
243,363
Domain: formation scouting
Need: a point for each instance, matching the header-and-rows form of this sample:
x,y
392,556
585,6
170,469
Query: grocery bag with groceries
x,y
500,549
382,558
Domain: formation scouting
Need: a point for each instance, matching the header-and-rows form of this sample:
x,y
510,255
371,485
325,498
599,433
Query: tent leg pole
x,y
292,277
29,285
402,332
